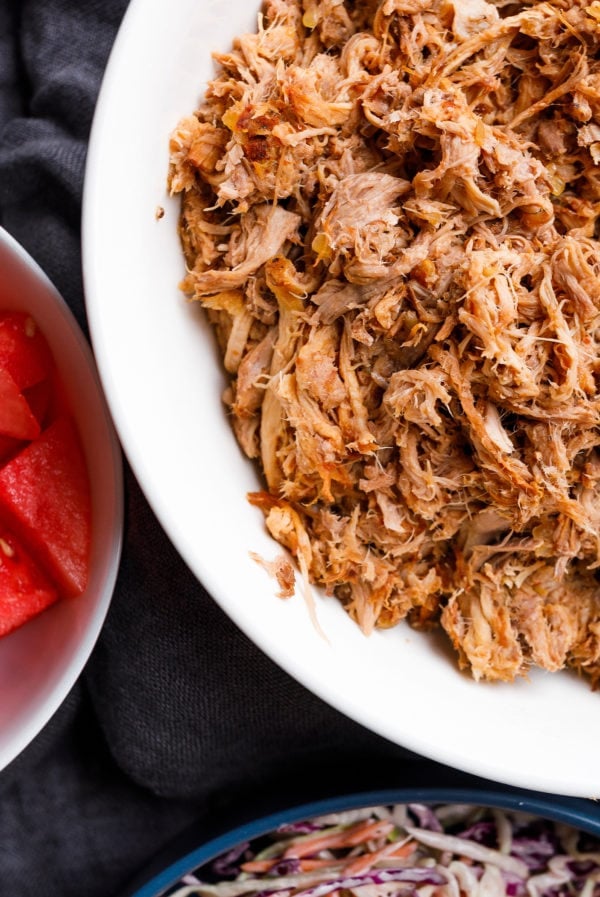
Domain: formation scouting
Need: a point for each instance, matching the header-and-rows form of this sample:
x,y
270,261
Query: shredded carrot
x,y
306,865
351,866
348,838
258,865
364,862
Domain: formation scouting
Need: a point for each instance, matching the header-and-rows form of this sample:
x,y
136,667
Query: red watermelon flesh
x,y
45,499
24,352
24,589
16,417
9,447
40,399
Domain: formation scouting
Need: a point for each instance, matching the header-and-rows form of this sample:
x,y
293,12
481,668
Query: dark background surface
x,y
177,718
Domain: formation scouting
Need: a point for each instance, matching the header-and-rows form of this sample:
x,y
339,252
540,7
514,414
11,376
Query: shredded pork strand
x,y
390,211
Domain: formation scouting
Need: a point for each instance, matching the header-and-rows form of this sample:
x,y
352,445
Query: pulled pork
x,y
390,213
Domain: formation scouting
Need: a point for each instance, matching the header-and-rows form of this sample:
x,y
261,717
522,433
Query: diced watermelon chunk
x,y
40,399
9,447
45,499
24,351
24,589
16,417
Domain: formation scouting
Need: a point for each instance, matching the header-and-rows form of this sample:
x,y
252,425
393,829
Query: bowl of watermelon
x,y
61,500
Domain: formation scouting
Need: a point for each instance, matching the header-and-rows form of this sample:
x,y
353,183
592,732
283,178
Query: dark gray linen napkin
x,y
177,716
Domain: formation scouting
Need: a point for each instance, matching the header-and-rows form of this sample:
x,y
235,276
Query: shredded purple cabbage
x,y
288,866
482,833
582,868
422,876
515,888
299,828
228,864
425,817
534,853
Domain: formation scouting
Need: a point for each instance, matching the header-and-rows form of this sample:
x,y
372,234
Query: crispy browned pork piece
x,y
390,212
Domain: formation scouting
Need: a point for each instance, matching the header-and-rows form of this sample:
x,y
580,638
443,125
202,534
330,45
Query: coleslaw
x,y
408,850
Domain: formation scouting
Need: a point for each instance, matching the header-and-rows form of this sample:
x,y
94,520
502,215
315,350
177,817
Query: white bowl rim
x,y
65,681
143,37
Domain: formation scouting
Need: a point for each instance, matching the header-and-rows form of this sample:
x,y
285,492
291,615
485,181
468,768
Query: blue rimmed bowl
x,y
180,859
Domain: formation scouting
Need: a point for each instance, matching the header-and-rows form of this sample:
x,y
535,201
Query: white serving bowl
x,y
163,380
40,662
